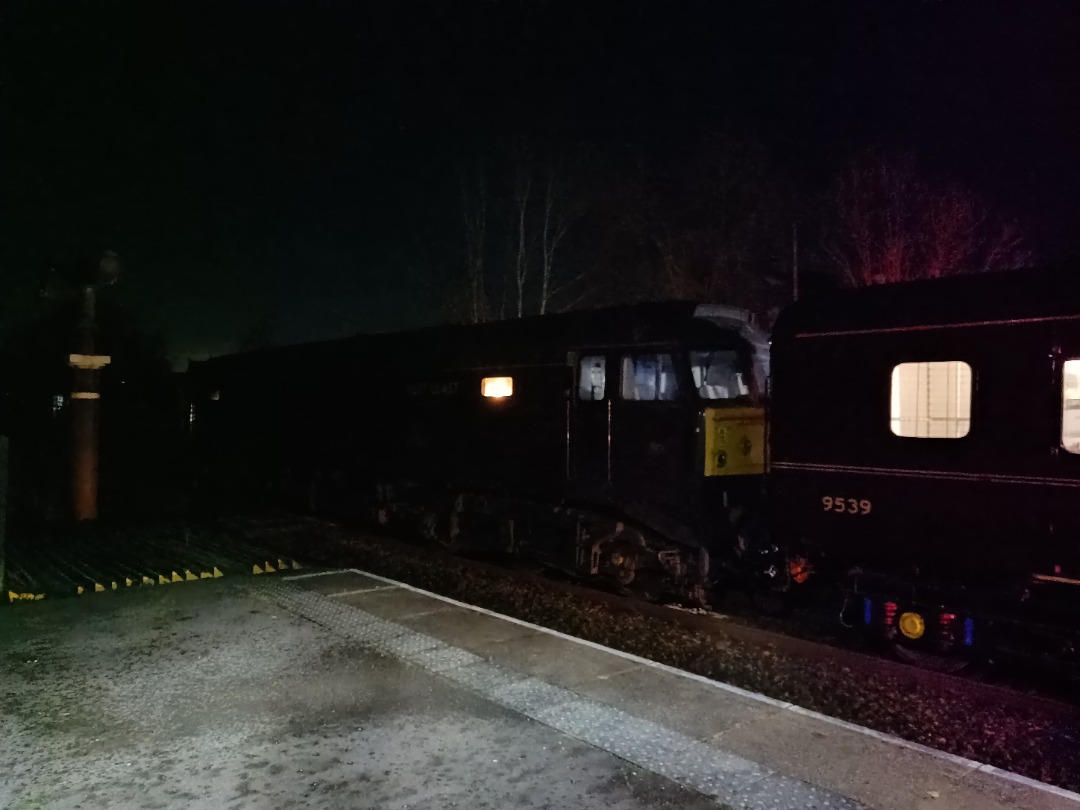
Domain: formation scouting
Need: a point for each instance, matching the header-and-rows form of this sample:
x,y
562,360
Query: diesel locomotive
x,y
625,443
917,444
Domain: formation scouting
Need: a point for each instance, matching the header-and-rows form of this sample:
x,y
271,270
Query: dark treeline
x,y
547,228
532,227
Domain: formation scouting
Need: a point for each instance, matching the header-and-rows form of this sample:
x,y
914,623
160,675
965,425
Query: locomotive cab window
x,y
717,374
592,377
649,377
1070,406
931,400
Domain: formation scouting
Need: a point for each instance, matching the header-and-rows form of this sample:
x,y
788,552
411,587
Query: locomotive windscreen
x,y
717,374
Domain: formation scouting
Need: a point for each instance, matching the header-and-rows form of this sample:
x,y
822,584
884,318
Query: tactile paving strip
x,y
735,781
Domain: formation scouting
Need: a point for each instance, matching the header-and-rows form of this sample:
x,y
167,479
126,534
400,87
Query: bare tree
x,y
474,208
542,221
528,205
523,171
555,221
891,224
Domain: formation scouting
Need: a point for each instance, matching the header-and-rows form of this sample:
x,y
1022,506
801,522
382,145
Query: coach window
x,y
592,377
931,400
649,377
716,375
1070,406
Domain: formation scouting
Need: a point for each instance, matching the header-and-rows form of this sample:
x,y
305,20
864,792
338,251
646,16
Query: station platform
x,y
337,688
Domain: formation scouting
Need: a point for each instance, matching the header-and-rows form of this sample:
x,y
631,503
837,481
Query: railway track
x,y
811,633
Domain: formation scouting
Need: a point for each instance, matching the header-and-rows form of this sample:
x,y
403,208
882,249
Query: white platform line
x,y
420,614
1029,782
971,764
321,574
615,674
365,590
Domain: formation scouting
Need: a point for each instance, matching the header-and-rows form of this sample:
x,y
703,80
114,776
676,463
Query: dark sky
x,y
294,164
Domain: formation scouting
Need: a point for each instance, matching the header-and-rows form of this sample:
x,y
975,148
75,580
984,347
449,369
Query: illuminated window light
x,y
931,400
497,387
1070,406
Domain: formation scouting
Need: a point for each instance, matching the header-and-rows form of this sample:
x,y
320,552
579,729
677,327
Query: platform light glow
x,y
497,387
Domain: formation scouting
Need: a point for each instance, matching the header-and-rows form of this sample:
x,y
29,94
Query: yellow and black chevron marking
x,y
166,578
145,580
268,567
162,579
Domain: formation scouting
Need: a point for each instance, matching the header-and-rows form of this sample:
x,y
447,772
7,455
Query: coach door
x,y
591,408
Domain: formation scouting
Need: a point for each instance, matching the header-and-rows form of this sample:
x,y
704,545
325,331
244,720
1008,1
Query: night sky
x,y
293,165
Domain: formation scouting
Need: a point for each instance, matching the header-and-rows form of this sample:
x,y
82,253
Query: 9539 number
x,y
850,506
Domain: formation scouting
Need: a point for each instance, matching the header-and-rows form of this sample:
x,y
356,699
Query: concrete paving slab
x,y
696,708
878,773
467,629
555,659
330,583
395,604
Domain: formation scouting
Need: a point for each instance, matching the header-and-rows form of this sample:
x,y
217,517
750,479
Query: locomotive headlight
x,y
912,625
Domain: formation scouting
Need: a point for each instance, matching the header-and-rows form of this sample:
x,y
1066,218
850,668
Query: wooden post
x,y
85,405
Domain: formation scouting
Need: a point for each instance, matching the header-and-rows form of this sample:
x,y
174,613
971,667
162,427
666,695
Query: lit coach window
x,y
497,387
931,400
1070,406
